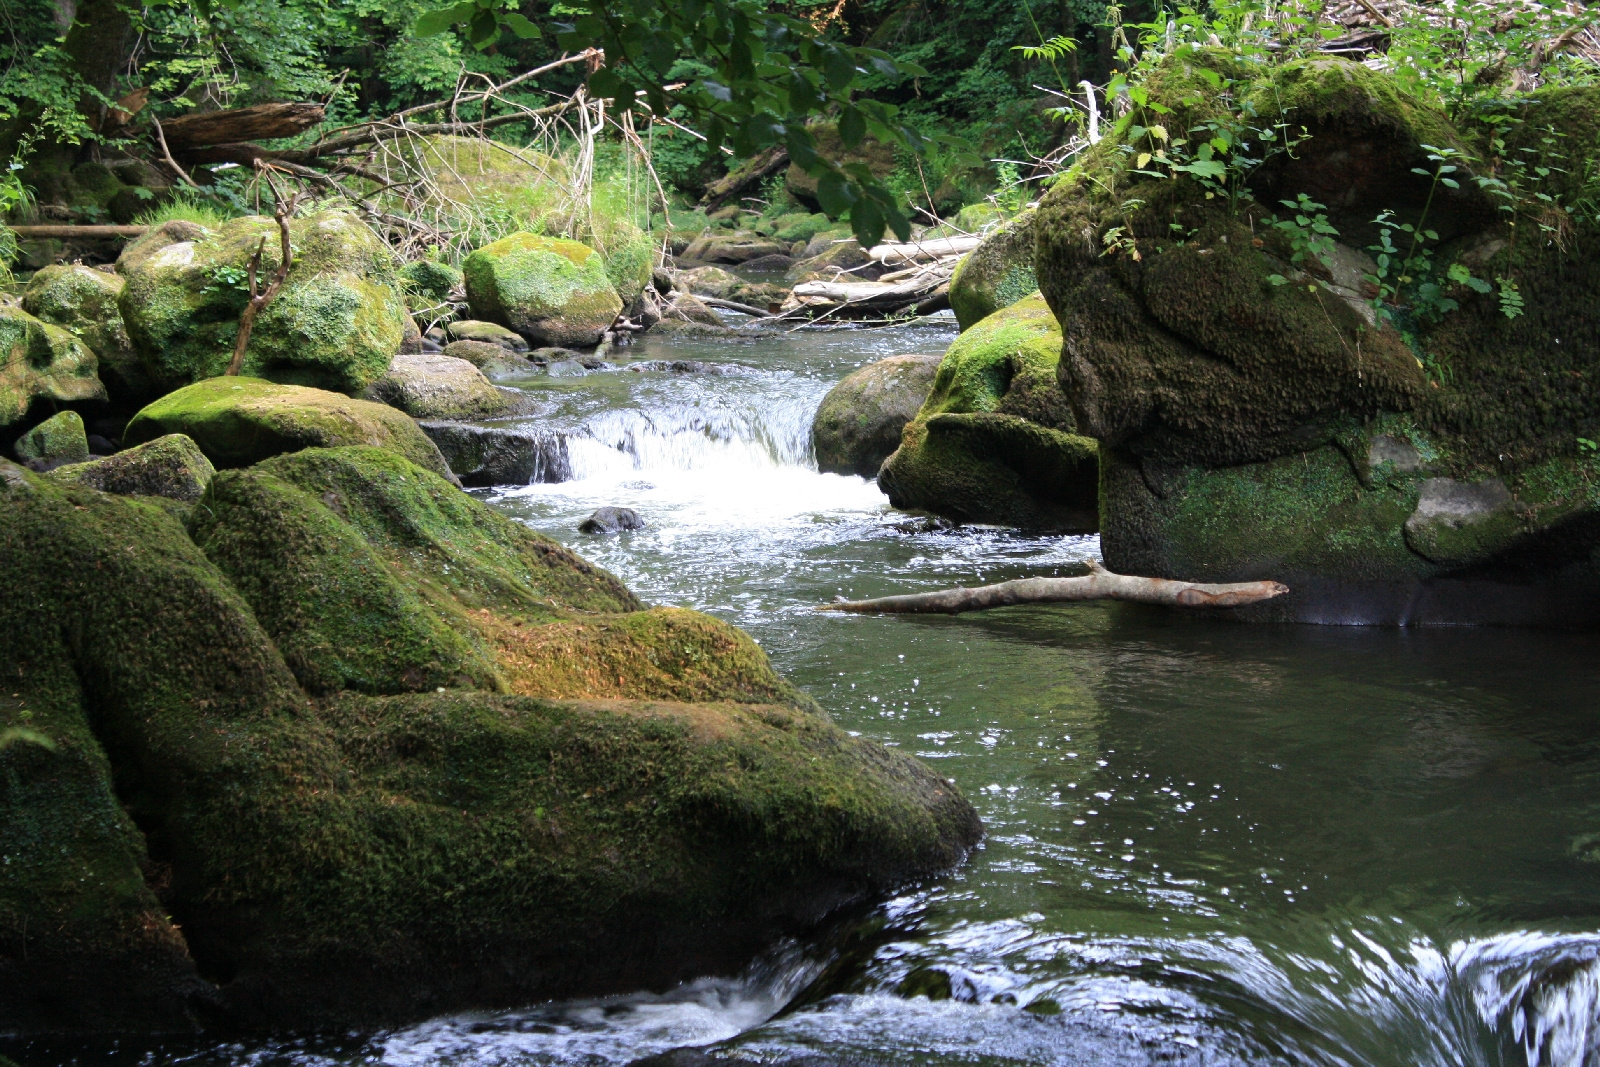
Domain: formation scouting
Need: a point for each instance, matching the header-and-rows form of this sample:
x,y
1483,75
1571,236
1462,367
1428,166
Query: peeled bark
x,y
923,251
1098,584
858,299
241,124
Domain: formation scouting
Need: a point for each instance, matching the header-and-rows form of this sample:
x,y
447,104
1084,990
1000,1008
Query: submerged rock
x,y
1258,430
428,386
549,290
336,323
995,441
39,361
493,455
859,422
241,421
394,755
610,520
59,439
996,274
172,466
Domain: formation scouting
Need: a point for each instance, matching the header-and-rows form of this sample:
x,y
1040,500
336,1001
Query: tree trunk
x,y
240,124
747,176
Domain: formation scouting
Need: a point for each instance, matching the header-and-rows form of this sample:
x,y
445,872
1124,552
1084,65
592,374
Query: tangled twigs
x,y
1098,584
283,211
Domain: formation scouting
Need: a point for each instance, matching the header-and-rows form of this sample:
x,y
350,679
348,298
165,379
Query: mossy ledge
x,y
224,730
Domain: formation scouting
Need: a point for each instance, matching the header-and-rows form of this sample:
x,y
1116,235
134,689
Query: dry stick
x,y
1098,584
166,153
282,211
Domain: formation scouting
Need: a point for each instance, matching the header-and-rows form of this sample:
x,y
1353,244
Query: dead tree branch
x,y
283,211
1098,584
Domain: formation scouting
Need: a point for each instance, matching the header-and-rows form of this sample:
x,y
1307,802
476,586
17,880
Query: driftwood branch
x,y
68,232
283,211
1098,584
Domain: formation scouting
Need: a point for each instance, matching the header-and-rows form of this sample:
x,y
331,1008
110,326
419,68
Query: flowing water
x,y
1206,843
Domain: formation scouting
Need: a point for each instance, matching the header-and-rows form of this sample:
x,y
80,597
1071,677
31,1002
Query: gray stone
x,y
1402,454
611,520
485,456
1459,522
858,423
429,386
172,466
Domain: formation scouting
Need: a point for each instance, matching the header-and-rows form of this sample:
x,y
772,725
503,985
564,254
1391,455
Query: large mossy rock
x,y
57,440
83,300
239,421
39,361
336,323
549,290
858,424
172,467
1247,404
996,274
995,441
379,752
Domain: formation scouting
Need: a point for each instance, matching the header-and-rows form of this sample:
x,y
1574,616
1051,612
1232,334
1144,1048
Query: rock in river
x,y
610,520
859,422
429,386
351,748
495,455
549,290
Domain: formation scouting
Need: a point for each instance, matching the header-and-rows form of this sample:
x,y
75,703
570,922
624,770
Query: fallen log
x,y
731,305
236,125
67,232
860,298
923,251
746,176
1098,584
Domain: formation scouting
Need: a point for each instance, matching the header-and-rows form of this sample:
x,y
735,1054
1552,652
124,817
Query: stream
x,y
1206,843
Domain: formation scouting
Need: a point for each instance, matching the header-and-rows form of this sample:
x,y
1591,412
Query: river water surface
x,y
1206,843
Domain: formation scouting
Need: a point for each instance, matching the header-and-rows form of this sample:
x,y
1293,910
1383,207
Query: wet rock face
x,y
483,456
1259,420
859,422
380,752
610,520
548,290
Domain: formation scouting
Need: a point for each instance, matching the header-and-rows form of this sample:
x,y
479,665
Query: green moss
x,y
41,361
1006,363
335,324
59,439
996,274
429,282
359,859
172,467
800,227
547,289
630,261
83,301
238,421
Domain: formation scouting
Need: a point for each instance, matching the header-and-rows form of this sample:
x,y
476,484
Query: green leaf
x,y
435,22
834,193
520,25
852,127
866,221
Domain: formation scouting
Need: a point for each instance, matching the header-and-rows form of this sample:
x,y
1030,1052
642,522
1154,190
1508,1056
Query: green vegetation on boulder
x,y
1254,428
487,332
336,323
239,421
994,441
172,467
59,439
41,361
428,282
83,300
549,290
342,843
859,423
996,274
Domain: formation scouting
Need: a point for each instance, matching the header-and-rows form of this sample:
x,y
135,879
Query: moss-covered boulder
x,y
428,283
379,752
995,441
488,333
858,424
83,300
172,467
435,386
549,290
240,421
39,361
336,323
630,257
730,249
996,274
1260,419
57,440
